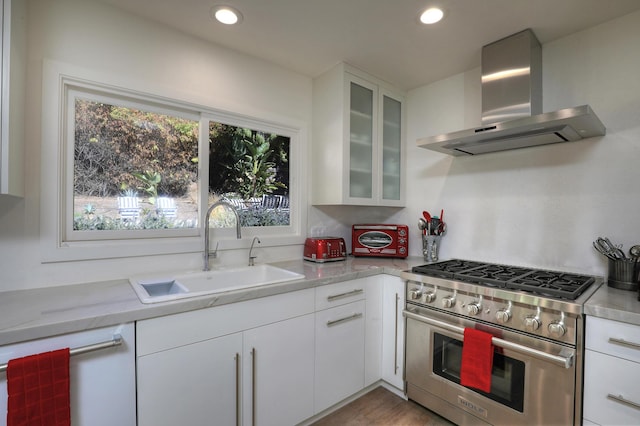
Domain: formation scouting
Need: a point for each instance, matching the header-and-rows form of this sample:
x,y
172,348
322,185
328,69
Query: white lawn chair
x,y
284,202
128,208
237,203
270,202
166,206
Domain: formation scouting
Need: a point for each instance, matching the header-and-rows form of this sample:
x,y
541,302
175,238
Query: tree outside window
x,y
250,169
131,167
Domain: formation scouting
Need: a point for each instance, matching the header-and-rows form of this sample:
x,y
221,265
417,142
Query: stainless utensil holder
x,y
430,247
623,274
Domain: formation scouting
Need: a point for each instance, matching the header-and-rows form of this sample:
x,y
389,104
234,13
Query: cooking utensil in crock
x,y
603,251
435,223
606,247
442,228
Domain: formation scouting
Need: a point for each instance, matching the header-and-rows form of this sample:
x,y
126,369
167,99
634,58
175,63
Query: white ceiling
x,y
382,37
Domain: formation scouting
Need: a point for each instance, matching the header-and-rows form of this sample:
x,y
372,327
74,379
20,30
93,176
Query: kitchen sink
x,y
162,288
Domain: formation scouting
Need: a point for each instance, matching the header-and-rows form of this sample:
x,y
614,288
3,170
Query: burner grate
x,y
554,284
540,282
492,275
446,269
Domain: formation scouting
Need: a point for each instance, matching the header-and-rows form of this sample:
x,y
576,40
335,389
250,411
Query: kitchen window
x,y
135,167
133,180
250,169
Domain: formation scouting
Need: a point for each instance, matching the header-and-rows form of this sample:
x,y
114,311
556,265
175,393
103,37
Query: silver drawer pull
x,y
623,400
347,294
345,319
623,342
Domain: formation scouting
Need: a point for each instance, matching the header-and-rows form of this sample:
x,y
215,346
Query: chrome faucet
x,y
207,252
251,258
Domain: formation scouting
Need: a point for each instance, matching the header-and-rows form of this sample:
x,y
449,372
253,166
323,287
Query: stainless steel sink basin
x,y
162,288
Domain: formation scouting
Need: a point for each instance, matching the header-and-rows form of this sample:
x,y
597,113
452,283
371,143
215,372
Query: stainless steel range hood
x,y
512,105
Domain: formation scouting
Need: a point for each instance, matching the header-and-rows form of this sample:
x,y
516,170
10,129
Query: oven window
x,y
375,239
507,378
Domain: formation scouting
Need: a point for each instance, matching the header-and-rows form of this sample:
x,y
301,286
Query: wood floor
x,y
382,408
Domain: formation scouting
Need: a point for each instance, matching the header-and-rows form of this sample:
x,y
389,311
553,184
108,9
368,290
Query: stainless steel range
x,y
536,319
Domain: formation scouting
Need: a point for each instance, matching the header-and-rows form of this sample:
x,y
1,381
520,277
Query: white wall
x,y
541,206
149,57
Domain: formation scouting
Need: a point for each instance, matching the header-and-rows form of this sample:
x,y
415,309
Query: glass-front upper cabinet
x,y
391,148
13,44
357,145
361,133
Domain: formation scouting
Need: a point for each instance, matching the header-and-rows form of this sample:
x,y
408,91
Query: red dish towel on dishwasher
x,y
38,389
477,360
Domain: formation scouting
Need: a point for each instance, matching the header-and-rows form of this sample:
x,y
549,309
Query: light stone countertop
x,y
38,313
614,304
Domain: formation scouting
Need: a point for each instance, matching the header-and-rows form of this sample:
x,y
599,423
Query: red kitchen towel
x,y
477,360
38,390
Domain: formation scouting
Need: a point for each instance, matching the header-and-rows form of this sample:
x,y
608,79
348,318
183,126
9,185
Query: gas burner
x,y
492,275
446,269
553,284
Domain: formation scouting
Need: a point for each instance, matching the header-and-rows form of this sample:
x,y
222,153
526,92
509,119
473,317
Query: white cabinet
x,y
339,341
349,346
275,360
329,296
393,331
102,383
198,382
358,134
339,353
373,330
278,372
12,95
253,359
612,373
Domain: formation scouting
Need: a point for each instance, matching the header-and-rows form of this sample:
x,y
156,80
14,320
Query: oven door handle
x,y
560,360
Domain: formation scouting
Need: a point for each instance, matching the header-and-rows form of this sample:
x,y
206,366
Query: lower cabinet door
x,y
611,390
339,353
195,384
393,332
278,373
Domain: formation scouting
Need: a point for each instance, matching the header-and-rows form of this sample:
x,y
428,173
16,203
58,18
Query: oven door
x,y
533,380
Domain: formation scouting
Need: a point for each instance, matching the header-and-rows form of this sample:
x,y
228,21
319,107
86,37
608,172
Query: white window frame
x,y
61,84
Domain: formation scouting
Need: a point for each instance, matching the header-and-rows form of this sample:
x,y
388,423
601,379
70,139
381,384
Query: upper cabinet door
x,y
12,94
362,138
358,138
392,152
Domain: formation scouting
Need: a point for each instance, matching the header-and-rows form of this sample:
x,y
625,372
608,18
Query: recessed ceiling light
x,y
431,16
226,15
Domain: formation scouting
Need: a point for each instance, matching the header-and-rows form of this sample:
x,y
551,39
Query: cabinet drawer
x,y
340,294
606,377
613,338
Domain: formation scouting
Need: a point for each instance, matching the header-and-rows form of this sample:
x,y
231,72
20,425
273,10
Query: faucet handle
x,y
251,258
214,254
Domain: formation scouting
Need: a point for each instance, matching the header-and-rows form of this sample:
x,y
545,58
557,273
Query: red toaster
x,y
324,249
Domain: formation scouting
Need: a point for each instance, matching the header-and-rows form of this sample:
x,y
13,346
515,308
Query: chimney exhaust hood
x,y
512,105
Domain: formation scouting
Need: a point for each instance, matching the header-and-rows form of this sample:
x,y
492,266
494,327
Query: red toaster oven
x,y
381,240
